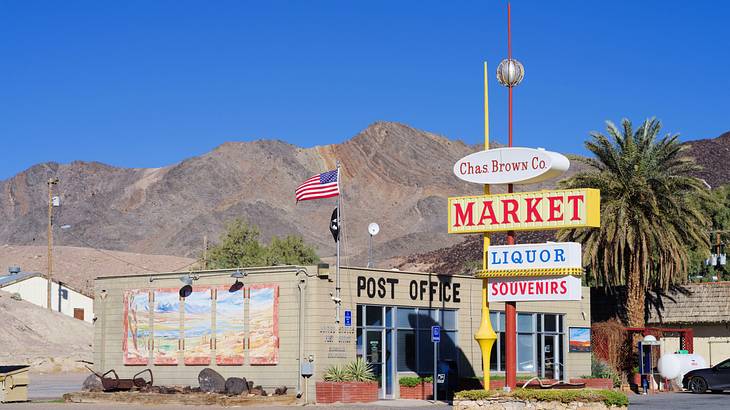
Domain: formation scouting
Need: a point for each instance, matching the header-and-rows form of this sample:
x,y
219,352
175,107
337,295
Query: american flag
x,y
324,185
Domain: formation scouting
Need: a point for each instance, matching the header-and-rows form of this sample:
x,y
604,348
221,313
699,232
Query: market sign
x,y
511,166
524,211
538,259
534,289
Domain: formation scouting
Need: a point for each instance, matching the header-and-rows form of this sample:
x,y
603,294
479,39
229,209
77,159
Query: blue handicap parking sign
x,y
435,334
348,318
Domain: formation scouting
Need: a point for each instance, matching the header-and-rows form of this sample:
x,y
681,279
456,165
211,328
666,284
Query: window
x,y
414,349
530,327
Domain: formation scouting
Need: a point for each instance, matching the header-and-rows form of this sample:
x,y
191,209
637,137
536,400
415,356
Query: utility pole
x,y
51,182
205,252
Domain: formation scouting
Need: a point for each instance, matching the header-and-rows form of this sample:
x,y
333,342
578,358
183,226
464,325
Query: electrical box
x,y
307,369
323,270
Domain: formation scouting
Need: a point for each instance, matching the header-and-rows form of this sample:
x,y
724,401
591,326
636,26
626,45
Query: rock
x,y
236,386
92,383
258,391
280,391
211,381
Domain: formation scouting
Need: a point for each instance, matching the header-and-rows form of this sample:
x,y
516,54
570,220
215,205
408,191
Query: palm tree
x,y
651,211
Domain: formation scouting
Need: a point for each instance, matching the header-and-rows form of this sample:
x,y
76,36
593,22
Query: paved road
x,y
54,386
670,401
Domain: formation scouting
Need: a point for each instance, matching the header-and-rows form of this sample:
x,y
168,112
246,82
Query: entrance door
x,y
79,313
379,353
551,357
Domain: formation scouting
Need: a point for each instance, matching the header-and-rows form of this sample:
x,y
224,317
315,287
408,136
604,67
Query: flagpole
x,y
339,235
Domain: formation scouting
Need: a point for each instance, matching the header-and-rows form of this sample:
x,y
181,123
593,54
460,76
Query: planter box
x,y
595,383
346,392
423,391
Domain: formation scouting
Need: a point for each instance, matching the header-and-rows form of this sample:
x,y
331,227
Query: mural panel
x,y
137,332
166,319
229,330
198,322
264,324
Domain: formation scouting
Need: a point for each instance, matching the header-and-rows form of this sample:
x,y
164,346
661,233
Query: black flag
x,y
335,226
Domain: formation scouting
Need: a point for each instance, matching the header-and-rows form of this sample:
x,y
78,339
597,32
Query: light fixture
x,y
239,274
188,279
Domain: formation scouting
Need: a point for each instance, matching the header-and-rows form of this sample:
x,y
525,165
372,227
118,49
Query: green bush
x,y
359,371
600,369
413,381
356,371
608,397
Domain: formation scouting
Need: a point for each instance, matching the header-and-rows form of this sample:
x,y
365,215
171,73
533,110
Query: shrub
x,y
413,381
607,397
359,371
600,369
335,373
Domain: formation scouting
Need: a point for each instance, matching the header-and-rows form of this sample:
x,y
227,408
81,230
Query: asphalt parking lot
x,y
666,401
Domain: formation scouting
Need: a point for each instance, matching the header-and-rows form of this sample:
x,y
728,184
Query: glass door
x,y
374,355
551,357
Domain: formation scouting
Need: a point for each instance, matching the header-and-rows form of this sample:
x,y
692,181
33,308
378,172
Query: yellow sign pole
x,y
485,335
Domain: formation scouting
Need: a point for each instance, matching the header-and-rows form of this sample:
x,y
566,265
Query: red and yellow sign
x,y
524,211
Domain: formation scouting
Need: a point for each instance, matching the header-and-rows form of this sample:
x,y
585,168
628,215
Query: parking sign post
x,y
435,338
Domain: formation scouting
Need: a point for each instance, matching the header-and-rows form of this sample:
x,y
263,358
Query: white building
x,y
33,287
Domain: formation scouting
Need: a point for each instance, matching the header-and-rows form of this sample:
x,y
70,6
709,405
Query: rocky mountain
x,y
714,156
391,174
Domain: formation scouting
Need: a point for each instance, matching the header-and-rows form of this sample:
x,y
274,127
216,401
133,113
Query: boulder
x,y
258,391
236,386
211,381
280,391
92,383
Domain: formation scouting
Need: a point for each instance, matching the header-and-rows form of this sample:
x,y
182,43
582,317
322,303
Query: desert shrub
x,y
600,369
359,371
607,397
413,381
335,373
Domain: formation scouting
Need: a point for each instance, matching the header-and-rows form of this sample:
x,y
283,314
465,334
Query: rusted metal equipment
x,y
115,383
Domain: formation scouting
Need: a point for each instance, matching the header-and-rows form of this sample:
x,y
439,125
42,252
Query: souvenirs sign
x,y
533,289
538,259
524,211
511,166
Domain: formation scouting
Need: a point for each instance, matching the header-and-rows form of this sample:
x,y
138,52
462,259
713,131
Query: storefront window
x,y
529,331
413,334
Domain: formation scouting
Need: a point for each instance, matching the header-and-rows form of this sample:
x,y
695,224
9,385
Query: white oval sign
x,y
511,166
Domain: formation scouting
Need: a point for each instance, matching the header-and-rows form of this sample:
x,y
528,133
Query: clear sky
x,y
149,83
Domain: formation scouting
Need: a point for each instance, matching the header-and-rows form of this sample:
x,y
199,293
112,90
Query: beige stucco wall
x,y
712,342
326,342
35,290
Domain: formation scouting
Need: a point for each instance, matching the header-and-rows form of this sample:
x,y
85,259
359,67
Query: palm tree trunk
x,y
635,298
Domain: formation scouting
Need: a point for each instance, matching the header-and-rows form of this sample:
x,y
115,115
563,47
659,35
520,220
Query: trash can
x,y
14,383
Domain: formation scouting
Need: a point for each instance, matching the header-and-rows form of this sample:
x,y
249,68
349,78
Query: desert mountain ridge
x,y
392,174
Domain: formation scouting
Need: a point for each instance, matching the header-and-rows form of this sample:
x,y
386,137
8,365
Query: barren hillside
x,y
50,341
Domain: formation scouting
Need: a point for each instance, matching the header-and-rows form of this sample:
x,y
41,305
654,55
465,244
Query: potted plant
x,y
414,387
352,383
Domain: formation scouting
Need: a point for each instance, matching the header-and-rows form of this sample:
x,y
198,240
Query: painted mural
x,y
229,326
264,324
198,323
166,322
137,332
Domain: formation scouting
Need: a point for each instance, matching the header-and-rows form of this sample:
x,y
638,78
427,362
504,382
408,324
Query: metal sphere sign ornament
x,y
373,229
510,72
511,166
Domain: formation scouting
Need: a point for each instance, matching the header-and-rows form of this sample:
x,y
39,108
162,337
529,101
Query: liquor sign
x,y
537,259
534,289
524,211
511,166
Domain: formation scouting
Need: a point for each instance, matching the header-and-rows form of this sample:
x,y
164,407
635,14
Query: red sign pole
x,y
510,308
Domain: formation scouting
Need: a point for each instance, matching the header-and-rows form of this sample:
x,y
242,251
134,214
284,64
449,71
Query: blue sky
x,y
149,83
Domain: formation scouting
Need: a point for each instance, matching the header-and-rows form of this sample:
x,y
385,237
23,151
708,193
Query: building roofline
x,y
30,275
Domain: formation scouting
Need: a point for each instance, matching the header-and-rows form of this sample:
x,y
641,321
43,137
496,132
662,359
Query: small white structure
x,y
33,287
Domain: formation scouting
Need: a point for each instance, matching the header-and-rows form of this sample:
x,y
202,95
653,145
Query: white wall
x,y
712,342
35,290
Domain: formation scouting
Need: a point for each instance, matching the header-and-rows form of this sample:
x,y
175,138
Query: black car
x,y
716,378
